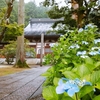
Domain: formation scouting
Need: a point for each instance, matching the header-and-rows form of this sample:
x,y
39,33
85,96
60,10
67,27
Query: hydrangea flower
x,y
82,83
90,25
94,53
81,53
84,56
95,48
96,41
84,42
74,46
70,86
80,30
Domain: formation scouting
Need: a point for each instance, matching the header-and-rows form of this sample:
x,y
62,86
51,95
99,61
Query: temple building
x,y
40,30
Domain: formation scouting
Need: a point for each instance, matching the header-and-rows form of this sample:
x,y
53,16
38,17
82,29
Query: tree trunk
x,y
78,15
20,58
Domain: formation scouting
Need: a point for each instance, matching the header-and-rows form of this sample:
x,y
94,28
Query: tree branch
x,y
6,17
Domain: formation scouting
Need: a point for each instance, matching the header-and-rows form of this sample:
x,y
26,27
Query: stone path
x,y
23,85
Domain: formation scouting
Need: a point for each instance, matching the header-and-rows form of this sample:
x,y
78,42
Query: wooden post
x,y
42,46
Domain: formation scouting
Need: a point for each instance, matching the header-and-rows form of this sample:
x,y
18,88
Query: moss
x,y
21,64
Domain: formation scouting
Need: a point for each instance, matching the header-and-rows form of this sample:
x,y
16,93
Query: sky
x,y
38,1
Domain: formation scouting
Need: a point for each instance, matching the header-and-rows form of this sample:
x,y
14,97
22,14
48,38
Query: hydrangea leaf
x,y
67,98
97,98
55,81
95,77
70,75
49,93
85,90
83,70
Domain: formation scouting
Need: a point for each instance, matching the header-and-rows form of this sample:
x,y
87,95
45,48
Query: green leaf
x,y
90,64
95,77
98,64
85,90
97,98
98,85
46,74
88,60
83,70
49,93
70,75
55,81
56,57
67,98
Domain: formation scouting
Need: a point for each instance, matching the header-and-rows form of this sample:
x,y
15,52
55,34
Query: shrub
x,y
9,51
75,56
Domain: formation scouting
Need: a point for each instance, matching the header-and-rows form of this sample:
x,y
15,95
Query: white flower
x,y
90,25
84,56
74,46
80,30
81,53
84,42
96,41
94,52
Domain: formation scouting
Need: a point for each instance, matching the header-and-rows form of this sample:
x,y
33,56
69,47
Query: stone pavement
x,y
22,85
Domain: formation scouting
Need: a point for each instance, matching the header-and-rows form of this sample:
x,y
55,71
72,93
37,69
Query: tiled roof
x,y
38,26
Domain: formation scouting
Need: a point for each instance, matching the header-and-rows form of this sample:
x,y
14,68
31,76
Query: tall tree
x,y
2,3
6,17
34,11
20,58
13,17
80,9
9,29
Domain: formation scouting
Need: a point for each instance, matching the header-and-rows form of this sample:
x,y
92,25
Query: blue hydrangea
x,y
81,83
70,86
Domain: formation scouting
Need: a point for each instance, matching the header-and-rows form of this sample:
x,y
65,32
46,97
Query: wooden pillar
x,y
42,46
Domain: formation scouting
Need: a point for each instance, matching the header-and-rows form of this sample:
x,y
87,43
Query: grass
x,y
10,70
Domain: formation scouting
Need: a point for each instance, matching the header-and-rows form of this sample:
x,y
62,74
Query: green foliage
x,y
55,13
49,93
13,30
97,97
34,11
9,51
88,11
72,58
9,31
14,13
85,90
2,3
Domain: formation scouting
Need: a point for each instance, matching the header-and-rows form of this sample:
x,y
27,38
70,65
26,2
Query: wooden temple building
x,y
37,33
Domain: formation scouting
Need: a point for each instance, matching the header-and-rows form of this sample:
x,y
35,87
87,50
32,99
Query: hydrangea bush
x,y
75,71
